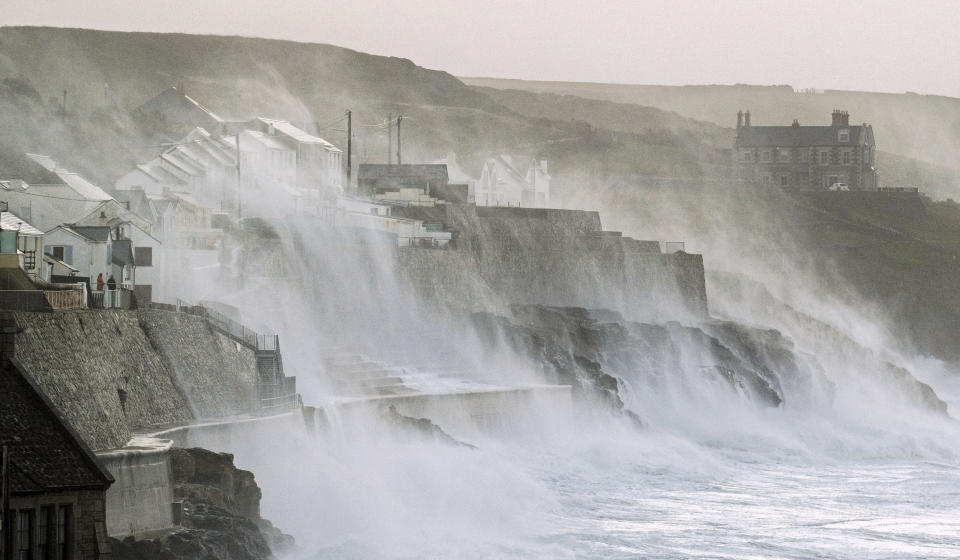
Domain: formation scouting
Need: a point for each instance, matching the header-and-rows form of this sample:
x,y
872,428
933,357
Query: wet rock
x,y
421,427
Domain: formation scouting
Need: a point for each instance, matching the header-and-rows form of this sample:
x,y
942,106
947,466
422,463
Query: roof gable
x,y
46,454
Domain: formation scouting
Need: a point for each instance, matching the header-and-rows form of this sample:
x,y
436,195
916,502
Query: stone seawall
x,y
112,372
551,257
218,375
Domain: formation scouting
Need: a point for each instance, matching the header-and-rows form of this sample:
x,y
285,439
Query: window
x,y
783,154
57,252
784,180
805,156
29,259
25,535
143,256
843,135
824,158
765,155
748,155
846,157
43,533
766,179
63,532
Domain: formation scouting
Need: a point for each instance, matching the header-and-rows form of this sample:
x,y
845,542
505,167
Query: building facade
x,y
514,181
839,156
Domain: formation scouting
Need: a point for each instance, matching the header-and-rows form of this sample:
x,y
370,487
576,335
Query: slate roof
x,y
75,181
45,453
93,233
757,136
297,134
171,99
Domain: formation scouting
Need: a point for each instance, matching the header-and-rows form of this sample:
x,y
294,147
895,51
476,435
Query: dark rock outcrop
x,y
221,515
597,351
602,356
422,428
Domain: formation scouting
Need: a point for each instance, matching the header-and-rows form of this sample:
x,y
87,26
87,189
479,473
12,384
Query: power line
x,y
53,196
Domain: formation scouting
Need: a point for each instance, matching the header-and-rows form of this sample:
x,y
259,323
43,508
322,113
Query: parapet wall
x,y
552,257
112,372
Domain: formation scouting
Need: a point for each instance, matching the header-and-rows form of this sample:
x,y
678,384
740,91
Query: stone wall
x,y
217,375
101,371
551,257
112,372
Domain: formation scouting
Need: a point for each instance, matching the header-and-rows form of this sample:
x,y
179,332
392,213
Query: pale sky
x,y
908,45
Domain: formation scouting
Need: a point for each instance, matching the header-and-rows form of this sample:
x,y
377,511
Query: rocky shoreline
x,y
220,515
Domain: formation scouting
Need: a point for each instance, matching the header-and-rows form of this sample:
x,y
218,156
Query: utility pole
x,y
6,542
399,160
349,147
239,185
390,139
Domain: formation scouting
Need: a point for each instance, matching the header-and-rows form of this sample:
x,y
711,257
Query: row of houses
x,y
66,226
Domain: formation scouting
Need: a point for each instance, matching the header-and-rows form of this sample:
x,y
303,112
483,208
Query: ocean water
x,y
600,488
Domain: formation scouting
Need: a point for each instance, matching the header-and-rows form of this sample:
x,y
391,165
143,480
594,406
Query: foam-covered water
x,y
602,488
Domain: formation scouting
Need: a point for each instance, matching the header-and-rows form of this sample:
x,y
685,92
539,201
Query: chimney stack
x,y
739,120
746,118
796,123
841,118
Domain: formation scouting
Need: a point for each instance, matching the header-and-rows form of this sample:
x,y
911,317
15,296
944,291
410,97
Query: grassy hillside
x,y
924,127
305,83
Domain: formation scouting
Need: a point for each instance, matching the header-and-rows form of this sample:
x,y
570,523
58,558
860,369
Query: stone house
x,y
807,157
57,486
514,181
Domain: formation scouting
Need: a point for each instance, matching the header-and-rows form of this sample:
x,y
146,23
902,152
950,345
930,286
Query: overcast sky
x,y
908,45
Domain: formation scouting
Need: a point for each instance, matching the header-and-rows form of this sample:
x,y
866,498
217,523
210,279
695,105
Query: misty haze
x,y
484,282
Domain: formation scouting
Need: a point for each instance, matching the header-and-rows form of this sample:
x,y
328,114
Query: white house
x,y
268,176
514,181
199,164
318,162
127,253
87,249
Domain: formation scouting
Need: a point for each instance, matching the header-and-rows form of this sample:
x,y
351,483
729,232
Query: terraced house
x,y
807,157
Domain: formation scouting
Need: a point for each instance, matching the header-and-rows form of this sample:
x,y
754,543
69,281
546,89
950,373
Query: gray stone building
x,y
57,486
807,157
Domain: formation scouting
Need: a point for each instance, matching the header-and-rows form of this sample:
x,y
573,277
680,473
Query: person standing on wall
x,y
100,282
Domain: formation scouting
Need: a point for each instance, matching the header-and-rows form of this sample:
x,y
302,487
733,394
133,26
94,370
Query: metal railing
x,y
277,393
